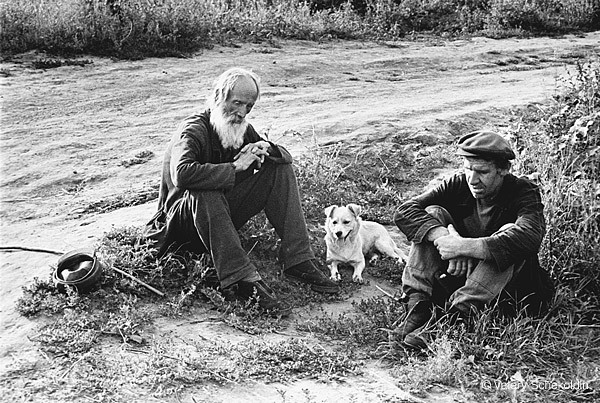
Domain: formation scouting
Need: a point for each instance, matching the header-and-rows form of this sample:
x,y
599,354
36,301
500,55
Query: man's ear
x,y
354,208
505,171
329,210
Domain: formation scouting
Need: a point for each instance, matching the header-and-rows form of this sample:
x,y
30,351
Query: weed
x,y
562,151
368,326
279,362
128,199
137,28
43,297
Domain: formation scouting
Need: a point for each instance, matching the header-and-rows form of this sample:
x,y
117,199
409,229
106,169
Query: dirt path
x,y
68,133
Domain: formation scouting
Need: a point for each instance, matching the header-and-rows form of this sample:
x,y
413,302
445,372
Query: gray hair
x,y
225,83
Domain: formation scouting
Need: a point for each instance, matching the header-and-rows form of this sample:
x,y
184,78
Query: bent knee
x,y
506,227
440,213
205,196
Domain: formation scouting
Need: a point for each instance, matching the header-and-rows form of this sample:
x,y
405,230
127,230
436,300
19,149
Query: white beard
x,y
230,134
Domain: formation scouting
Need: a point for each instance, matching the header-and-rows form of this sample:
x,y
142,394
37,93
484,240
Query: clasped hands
x,y
452,248
251,153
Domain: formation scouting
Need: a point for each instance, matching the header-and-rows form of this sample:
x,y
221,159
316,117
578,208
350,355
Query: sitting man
x,y
217,174
481,229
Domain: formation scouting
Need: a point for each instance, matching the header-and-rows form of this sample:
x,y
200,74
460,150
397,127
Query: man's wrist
x,y
436,232
476,248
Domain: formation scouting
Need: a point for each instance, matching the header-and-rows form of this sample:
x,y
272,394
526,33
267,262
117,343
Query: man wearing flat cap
x,y
475,237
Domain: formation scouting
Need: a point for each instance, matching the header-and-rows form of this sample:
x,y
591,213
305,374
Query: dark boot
x,y
418,339
423,337
419,309
307,272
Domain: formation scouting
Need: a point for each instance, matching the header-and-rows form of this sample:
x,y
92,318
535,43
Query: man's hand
x,y
251,153
450,246
460,266
462,253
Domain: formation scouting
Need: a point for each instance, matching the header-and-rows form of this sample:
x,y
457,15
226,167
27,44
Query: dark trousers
x,y
480,286
209,220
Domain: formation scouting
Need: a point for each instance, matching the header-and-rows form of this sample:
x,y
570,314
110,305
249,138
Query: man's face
x,y
483,177
240,101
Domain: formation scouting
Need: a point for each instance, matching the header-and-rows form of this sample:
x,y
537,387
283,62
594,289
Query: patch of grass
x,y
368,326
140,28
560,146
51,63
43,297
164,369
373,177
282,361
128,199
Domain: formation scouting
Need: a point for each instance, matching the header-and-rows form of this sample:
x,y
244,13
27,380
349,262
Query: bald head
x,y
243,81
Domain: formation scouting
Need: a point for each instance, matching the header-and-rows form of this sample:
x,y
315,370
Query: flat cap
x,y
485,144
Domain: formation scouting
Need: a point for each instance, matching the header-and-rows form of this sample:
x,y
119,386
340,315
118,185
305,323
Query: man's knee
x,y
205,196
506,227
205,200
281,169
440,213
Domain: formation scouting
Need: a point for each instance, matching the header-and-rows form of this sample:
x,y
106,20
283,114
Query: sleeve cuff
x,y
495,254
424,229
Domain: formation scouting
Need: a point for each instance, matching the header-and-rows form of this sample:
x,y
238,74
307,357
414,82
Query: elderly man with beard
x,y
217,174
474,236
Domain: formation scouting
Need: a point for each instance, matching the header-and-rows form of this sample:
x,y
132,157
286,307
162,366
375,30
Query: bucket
x,y
79,268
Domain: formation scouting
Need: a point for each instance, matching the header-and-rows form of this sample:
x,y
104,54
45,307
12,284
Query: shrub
x,y
141,28
565,151
541,16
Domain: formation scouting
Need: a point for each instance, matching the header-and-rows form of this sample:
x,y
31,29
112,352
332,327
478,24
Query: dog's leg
x,y
334,273
389,248
358,269
401,255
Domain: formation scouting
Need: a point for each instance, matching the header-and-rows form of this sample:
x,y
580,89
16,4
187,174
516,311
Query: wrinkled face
x,y
240,101
341,222
484,178
228,117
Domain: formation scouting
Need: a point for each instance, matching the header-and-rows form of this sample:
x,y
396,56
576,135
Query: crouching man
x,y
482,230
217,174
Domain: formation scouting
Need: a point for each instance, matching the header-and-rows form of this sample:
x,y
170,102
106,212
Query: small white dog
x,y
349,239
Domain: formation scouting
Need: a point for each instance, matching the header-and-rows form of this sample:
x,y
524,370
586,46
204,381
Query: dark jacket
x,y
196,160
519,202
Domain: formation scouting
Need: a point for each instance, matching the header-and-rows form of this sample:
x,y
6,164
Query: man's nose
x,y
239,113
242,110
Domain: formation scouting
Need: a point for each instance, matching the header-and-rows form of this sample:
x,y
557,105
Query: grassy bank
x,y
139,28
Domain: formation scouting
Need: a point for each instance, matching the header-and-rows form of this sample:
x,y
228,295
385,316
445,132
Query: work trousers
x,y
481,285
209,220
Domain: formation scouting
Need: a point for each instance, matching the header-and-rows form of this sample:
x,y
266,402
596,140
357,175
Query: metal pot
x,y
79,268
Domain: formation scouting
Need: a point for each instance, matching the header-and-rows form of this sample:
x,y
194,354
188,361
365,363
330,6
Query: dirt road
x,y
69,133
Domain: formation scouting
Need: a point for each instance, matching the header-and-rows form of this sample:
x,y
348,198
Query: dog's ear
x,y
355,208
329,210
